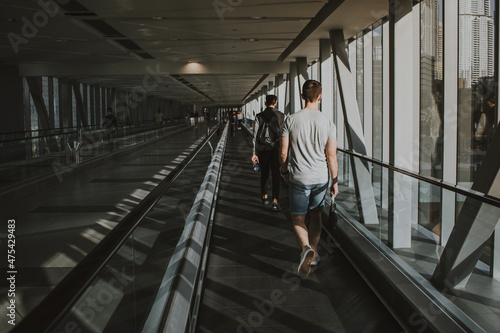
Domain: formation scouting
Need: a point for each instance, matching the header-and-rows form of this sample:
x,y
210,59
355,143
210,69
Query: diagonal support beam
x,y
36,91
79,104
354,130
474,226
302,76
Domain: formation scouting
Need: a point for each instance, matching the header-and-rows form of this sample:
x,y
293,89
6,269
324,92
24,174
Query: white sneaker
x,y
315,260
306,257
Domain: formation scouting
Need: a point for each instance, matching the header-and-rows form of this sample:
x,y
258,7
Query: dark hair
x,y
271,99
311,90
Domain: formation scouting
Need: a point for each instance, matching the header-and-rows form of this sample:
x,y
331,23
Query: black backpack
x,y
269,135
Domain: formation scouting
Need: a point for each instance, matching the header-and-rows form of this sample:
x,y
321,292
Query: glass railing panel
x,y
347,196
121,296
416,217
26,145
94,309
379,181
55,154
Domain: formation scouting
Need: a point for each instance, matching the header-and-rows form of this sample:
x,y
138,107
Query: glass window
x,y
105,101
377,106
56,104
34,115
46,100
476,89
73,107
90,108
360,75
84,95
431,112
377,86
45,91
431,88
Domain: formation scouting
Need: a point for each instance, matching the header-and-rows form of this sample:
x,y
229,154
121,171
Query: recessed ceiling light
x,y
157,18
258,17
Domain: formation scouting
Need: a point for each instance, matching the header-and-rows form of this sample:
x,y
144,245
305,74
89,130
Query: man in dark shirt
x,y
267,155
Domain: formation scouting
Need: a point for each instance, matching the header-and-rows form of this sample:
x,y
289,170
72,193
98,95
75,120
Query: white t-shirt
x,y
308,132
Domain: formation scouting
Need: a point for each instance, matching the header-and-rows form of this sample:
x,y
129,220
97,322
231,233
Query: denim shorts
x,y
304,197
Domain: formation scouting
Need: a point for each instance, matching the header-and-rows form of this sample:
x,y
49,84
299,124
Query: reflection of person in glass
x,y
431,126
485,126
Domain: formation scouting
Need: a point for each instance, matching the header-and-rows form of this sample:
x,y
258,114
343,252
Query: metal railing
x,y
39,133
432,181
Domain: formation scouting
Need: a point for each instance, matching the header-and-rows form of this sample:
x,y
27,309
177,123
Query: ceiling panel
x,y
223,9
240,32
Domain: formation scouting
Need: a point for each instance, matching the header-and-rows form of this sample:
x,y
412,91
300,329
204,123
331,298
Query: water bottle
x,y
256,167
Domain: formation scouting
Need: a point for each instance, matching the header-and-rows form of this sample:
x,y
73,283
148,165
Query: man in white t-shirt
x,y
308,155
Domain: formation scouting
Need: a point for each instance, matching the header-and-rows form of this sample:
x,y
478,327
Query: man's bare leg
x,y
300,229
307,255
314,228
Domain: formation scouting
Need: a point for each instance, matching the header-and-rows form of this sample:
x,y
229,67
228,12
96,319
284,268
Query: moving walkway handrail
x,y
177,302
66,293
433,181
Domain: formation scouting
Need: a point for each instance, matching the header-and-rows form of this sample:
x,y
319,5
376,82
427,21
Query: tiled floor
x,y
57,227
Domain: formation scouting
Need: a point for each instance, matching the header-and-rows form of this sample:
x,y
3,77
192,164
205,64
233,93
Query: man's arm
x,y
285,141
333,167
